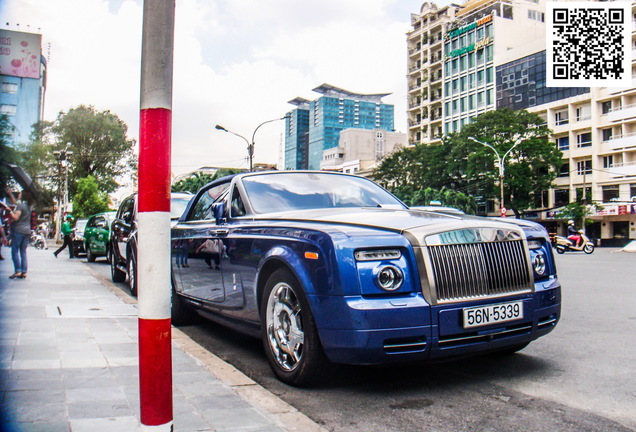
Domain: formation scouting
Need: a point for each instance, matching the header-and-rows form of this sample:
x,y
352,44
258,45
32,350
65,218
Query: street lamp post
x,y
62,156
250,145
501,160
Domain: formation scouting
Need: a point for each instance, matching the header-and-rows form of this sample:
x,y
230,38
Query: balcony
x,y
623,169
621,141
621,113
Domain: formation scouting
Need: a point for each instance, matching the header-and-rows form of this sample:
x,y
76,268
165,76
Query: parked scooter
x,y
564,244
37,240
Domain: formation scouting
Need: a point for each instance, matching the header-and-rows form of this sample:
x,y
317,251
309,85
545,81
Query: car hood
x,y
418,224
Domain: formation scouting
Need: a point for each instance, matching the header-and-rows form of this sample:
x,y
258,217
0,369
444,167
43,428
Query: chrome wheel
x,y
285,333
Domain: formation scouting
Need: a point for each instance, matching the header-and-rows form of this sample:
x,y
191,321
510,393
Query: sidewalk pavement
x,y
68,361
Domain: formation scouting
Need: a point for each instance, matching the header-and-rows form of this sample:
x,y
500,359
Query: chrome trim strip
x,y
485,336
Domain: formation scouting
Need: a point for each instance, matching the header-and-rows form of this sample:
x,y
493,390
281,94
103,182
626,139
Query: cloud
x,y
236,63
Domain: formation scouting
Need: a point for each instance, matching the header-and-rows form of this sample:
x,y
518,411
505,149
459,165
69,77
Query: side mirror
x,y
218,209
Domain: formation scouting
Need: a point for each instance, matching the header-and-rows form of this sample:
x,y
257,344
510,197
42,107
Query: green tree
x,y
195,181
7,153
100,146
89,199
530,167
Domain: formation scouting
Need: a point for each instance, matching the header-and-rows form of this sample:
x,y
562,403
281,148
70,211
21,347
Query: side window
x,y
90,223
202,210
126,211
238,208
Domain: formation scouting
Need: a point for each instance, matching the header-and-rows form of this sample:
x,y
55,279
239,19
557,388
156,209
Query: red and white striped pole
x,y
153,266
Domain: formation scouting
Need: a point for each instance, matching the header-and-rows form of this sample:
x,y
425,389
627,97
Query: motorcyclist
x,y
573,234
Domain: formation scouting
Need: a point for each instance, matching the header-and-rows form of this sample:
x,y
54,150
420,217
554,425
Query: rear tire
x,y
180,314
115,274
131,266
89,255
289,333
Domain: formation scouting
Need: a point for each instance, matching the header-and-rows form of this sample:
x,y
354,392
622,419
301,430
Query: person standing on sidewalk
x,y
20,233
67,231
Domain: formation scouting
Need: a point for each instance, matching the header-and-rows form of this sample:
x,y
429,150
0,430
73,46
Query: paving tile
x,y
112,424
235,419
38,412
78,395
48,426
35,364
100,409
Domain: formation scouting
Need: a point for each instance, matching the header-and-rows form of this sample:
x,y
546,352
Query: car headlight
x,y
539,264
377,255
535,244
389,277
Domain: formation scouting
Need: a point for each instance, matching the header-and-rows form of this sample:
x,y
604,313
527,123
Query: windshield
x,y
81,224
178,206
279,192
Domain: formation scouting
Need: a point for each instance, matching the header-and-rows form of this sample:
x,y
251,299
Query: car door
x,y
89,232
123,226
100,237
197,249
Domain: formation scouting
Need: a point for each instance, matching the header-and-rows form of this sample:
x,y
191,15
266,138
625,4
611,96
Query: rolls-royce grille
x,y
466,271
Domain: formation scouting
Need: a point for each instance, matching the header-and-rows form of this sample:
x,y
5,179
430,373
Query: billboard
x,y
20,54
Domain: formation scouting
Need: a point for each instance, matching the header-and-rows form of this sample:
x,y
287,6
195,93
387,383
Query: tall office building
x,y
320,121
495,57
23,76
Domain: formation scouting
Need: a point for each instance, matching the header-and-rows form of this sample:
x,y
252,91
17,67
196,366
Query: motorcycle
x,y
37,240
564,244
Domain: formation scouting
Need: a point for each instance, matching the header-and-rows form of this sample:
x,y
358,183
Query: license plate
x,y
492,314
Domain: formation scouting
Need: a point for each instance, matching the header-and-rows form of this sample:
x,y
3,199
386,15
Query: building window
x,y
561,197
10,88
584,140
632,191
583,113
608,161
584,167
610,193
607,134
8,109
561,118
563,143
536,15
565,170
606,107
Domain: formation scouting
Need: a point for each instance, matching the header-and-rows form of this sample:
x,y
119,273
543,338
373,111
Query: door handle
x,y
219,232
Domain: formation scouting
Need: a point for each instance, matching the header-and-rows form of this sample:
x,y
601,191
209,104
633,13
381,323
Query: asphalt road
x,y
581,377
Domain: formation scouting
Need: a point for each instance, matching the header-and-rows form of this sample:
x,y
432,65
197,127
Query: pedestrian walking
x,y
20,232
67,231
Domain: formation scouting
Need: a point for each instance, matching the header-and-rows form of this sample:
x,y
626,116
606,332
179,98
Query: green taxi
x,y
97,235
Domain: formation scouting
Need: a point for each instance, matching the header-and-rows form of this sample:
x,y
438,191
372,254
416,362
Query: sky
x,y
237,63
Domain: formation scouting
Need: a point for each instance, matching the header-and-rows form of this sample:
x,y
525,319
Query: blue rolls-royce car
x,y
331,268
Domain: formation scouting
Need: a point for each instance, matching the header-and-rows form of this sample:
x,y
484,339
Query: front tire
x,y
588,248
115,274
132,274
89,255
560,250
289,333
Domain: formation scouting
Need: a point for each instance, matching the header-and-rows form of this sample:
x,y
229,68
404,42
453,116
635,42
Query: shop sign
x,y
469,27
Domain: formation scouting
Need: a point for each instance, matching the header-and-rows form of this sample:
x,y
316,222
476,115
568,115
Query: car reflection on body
x,y
78,237
330,268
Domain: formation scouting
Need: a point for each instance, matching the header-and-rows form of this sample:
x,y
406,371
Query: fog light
x,y
538,263
389,278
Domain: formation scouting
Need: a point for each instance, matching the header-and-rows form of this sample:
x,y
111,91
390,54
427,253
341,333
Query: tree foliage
x,y
195,181
7,153
462,165
89,199
100,146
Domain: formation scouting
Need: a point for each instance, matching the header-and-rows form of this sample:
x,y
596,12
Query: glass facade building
x,y
326,116
521,84
469,81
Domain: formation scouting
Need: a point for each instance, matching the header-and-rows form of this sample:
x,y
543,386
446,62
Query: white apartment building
x,y
494,56
361,149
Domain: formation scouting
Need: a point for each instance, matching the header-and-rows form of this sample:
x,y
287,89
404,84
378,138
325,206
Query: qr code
x,y
589,44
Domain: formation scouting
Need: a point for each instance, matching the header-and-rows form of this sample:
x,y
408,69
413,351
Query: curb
x,y
285,415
